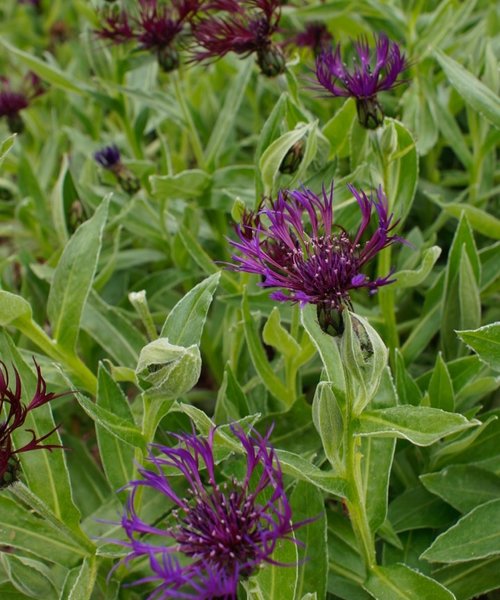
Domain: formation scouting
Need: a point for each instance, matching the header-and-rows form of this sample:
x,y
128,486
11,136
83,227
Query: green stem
x,y
38,336
194,138
356,504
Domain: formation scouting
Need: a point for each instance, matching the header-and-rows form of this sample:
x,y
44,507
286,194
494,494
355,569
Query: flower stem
x,y
356,504
194,138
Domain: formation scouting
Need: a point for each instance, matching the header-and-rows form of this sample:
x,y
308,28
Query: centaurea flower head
x,y
315,36
296,246
156,27
109,158
367,77
218,532
13,414
241,26
13,101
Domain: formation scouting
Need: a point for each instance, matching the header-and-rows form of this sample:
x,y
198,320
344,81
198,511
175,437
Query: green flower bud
x,y
271,61
168,369
370,114
293,158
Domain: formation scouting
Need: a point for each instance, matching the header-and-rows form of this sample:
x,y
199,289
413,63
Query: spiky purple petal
x,y
303,252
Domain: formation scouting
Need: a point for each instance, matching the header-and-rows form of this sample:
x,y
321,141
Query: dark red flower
x,y
13,414
13,101
154,27
243,27
315,36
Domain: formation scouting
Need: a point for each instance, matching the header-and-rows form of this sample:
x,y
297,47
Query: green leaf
x,y
22,529
398,582
6,146
337,129
441,387
13,309
275,581
31,577
121,340
483,222
48,73
228,113
376,466
73,279
274,154
416,508
328,420
472,90
259,358
231,399
468,295
470,579
116,456
420,425
463,486
476,535
408,390
485,341
121,428
275,335
406,279
83,586
185,322
302,469
402,171
326,346
307,503
187,184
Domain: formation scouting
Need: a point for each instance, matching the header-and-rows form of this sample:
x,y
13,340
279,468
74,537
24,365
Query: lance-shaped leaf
x,y
420,425
73,279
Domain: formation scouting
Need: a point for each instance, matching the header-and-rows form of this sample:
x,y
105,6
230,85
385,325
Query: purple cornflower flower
x,y
13,414
155,27
12,102
315,36
109,158
364,81
221,531
243,27
318,262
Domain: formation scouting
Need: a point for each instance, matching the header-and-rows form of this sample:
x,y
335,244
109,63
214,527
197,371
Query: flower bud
x,y
370,114
271,60
168,369
168,58
293,158
364,357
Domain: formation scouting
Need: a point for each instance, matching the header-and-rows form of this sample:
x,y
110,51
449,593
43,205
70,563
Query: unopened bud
x,y
370,114
168,58
293,158
271,61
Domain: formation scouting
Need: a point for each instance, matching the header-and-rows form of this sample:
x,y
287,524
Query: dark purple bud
x,y
168,58
108,157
